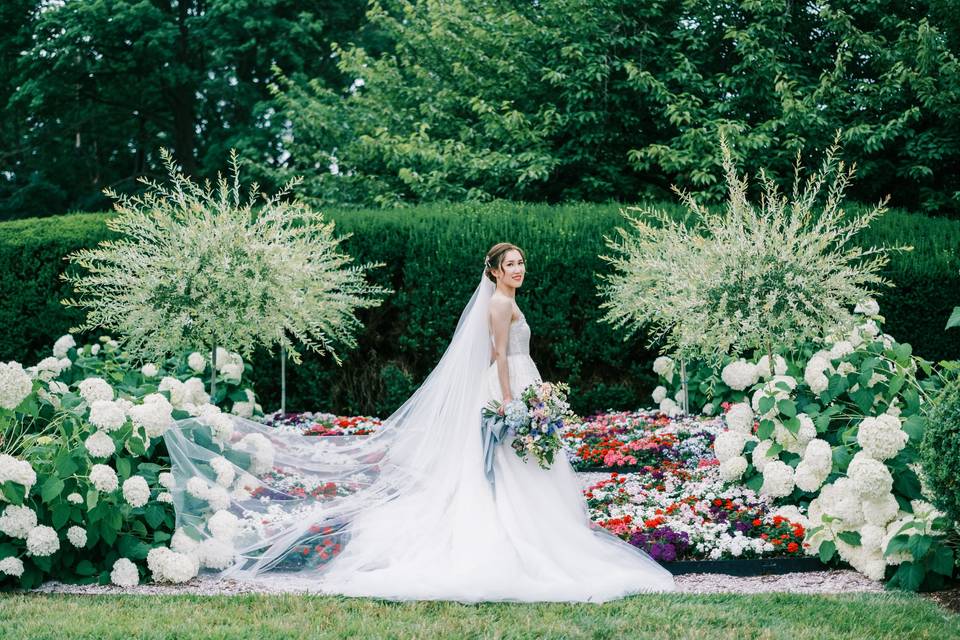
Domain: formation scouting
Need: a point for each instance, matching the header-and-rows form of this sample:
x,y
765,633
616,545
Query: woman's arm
x,y
501,311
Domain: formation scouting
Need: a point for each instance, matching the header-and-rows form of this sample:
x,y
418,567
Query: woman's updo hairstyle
x,y
495,258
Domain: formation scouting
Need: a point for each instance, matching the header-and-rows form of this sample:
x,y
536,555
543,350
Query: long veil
x,y
251,498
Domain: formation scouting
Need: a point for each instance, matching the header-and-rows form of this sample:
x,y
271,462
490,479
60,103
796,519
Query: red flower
x,y
764,536
717,502
792,547
757,522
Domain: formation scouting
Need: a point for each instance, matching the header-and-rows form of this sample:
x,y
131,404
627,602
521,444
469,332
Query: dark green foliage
x,y
434,258
566,100
940,448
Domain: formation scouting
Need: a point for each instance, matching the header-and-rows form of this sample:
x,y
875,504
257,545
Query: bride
x,y
408,511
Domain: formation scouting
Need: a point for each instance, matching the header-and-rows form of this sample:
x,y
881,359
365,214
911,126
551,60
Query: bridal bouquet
x,y
535,420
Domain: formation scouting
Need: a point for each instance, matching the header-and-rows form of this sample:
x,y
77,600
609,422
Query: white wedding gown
x,y
449,535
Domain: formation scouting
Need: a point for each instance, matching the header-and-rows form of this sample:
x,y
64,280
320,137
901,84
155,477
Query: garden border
x,y
750,567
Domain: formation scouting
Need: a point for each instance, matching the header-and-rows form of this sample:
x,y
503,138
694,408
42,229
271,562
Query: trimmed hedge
x,y
434,256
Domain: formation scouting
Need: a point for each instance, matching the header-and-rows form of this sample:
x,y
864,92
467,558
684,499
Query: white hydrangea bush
x,y
85,493
833,430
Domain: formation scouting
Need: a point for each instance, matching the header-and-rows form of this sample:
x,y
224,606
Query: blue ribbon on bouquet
x,y
493,430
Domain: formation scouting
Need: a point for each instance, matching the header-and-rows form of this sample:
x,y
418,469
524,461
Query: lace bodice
x,y
518,337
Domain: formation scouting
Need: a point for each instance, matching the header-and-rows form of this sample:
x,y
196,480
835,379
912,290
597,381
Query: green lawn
x,y
664,617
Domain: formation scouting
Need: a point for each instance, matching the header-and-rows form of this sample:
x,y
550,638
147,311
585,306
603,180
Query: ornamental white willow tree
x,y
197,266
752,278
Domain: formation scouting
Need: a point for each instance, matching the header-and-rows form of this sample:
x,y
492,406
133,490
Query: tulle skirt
x,y
527,539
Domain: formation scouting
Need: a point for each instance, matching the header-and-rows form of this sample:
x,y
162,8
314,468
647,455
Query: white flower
x,y
65,364
197,362
95,389
659,394
75,498
232,372
77,536
819,455
178,392
58,387
224,470
165,496
218,498
708,409
100,445
12,566
195,391
222,357
777,479
867,307
48,368
149,370
104,478
779,366
871,477
107,415
216,554
814,373
880,511
165,478
197,487
262,453
63,344
95,349
42,541
17,521
14,470
125,573
759,456
841,349
181,542
729,444
808,478
222,426
663,366
669,407
136,491
223,525
167,565
155,415
243,409
15,384
680,397
882,437
739,417
733,468
740,374
795,443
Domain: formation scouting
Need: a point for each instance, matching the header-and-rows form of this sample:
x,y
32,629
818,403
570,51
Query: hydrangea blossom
x,y
224,470
868,307
740,374
42,541
197,362
15,384
63,344
125,573
779,366
740,417
104,478
261,452
17,521
663,366
214,553
11,566
155,415
167,565
100,445
149,370
136,491
777,479
95,388
14,470
733,468
729,444
871,477
659,394
77,536
107,415
223,525
882,437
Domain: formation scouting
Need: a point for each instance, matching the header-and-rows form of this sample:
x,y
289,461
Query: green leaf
x,y
896,384
29,406
954,320
766,404
897,544
787,407
93,496
907,483
107,532
14,492
914,426
153,515
7,550
910,575
765,430
827,549
755,482
61,513
64,464
850,537
51,489
919,545
160,536
236,456
942,562
123,468
85,568
863,397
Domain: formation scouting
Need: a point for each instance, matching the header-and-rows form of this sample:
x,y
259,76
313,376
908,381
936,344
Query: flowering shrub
x,y
834,430
83,492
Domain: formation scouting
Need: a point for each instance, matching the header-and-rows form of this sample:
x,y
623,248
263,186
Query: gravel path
x,y
808,582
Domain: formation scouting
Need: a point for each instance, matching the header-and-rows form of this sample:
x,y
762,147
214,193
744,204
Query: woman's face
x,y
512,269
